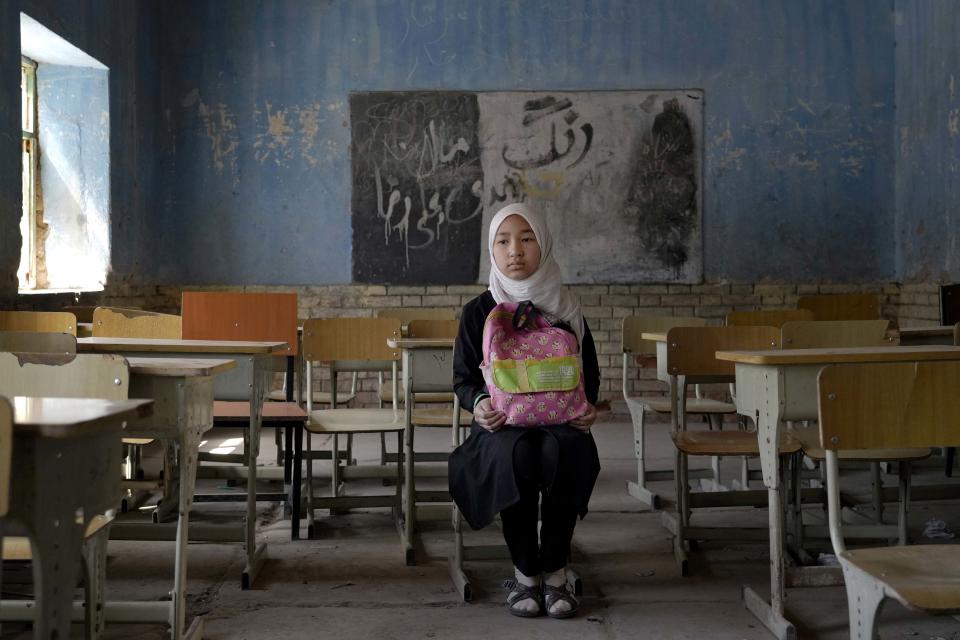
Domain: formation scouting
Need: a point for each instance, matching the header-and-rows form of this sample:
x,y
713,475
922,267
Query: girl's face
x,y
515,248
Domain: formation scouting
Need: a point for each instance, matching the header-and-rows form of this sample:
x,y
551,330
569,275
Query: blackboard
x,y
618,175
417,183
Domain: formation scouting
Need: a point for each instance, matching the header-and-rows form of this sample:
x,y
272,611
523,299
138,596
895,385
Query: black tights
x,y
535,459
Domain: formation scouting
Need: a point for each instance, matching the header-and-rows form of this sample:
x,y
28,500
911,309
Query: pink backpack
x,y
532,369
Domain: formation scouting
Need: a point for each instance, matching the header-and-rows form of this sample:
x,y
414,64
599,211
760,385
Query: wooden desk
x,y
772,388
427,368
914,336
182,394
61,447
250,380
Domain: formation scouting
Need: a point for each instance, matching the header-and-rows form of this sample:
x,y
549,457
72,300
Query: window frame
x,y
30,154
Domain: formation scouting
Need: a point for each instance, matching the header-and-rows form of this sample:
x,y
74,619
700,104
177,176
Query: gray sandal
x,y
553,595
519,593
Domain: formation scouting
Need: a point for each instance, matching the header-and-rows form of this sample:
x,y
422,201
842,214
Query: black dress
x,y
481,469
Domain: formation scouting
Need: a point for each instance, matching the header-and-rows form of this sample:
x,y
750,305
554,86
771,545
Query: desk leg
x,y
768,434
197,398
262,371
295,482
409,487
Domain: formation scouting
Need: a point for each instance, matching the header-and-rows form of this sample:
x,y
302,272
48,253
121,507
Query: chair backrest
x,y
6,453
889,405
691,351
836,333
39,321
113,322
846,306
32,342
767,317
350,339
261,317
52,375
433,328
407,315
635,326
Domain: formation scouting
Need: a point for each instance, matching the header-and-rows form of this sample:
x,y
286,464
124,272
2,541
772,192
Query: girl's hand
x,y
585,421
488,417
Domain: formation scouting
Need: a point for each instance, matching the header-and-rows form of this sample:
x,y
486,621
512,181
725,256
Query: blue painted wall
x,y
928,140
123,35
799,167
230,132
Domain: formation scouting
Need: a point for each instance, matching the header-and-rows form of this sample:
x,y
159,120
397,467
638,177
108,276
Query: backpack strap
x,y
525,315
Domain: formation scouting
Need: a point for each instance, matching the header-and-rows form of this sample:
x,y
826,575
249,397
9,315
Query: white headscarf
x,y
544,286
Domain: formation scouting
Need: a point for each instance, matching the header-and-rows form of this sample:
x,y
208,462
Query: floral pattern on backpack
x,y
532,369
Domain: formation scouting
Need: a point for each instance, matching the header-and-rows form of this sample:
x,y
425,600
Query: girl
x,y
505,469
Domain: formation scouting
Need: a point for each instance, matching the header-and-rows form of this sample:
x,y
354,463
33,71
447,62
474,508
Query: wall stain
x,y
310,120
219,126
272,144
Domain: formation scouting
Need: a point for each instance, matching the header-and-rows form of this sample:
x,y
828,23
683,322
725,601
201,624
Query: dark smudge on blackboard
x,y
662,197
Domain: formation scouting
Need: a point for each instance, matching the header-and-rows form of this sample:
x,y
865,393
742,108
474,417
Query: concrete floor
x,y
351,582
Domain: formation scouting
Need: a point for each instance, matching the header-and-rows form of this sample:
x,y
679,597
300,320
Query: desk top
x,y
179,367
656,337
420,343
926,331
135,345
839,355
74,417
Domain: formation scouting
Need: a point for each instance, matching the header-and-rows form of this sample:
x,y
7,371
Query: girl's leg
x,y
520,520
559,519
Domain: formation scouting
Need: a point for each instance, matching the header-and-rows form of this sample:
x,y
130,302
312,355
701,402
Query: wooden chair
x,y
32,342
113,322
822,334
880,406
352,344
767,317
39,321
116,322
70,376
691,358
846,306
636,349
408,316
854,333
246,316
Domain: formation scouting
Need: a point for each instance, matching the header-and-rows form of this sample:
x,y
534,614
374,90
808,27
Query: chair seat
x,y
919,576
355,421
319,397
810,442
18,547
438,397
727,443
137,441
661,404
440,417
226,411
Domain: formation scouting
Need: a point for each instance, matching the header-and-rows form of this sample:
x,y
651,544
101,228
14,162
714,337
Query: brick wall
x,y
604,307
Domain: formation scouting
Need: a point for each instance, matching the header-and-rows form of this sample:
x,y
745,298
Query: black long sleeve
x,y
468,381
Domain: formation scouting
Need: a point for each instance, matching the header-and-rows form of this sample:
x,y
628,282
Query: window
x,y
27,273
66,182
